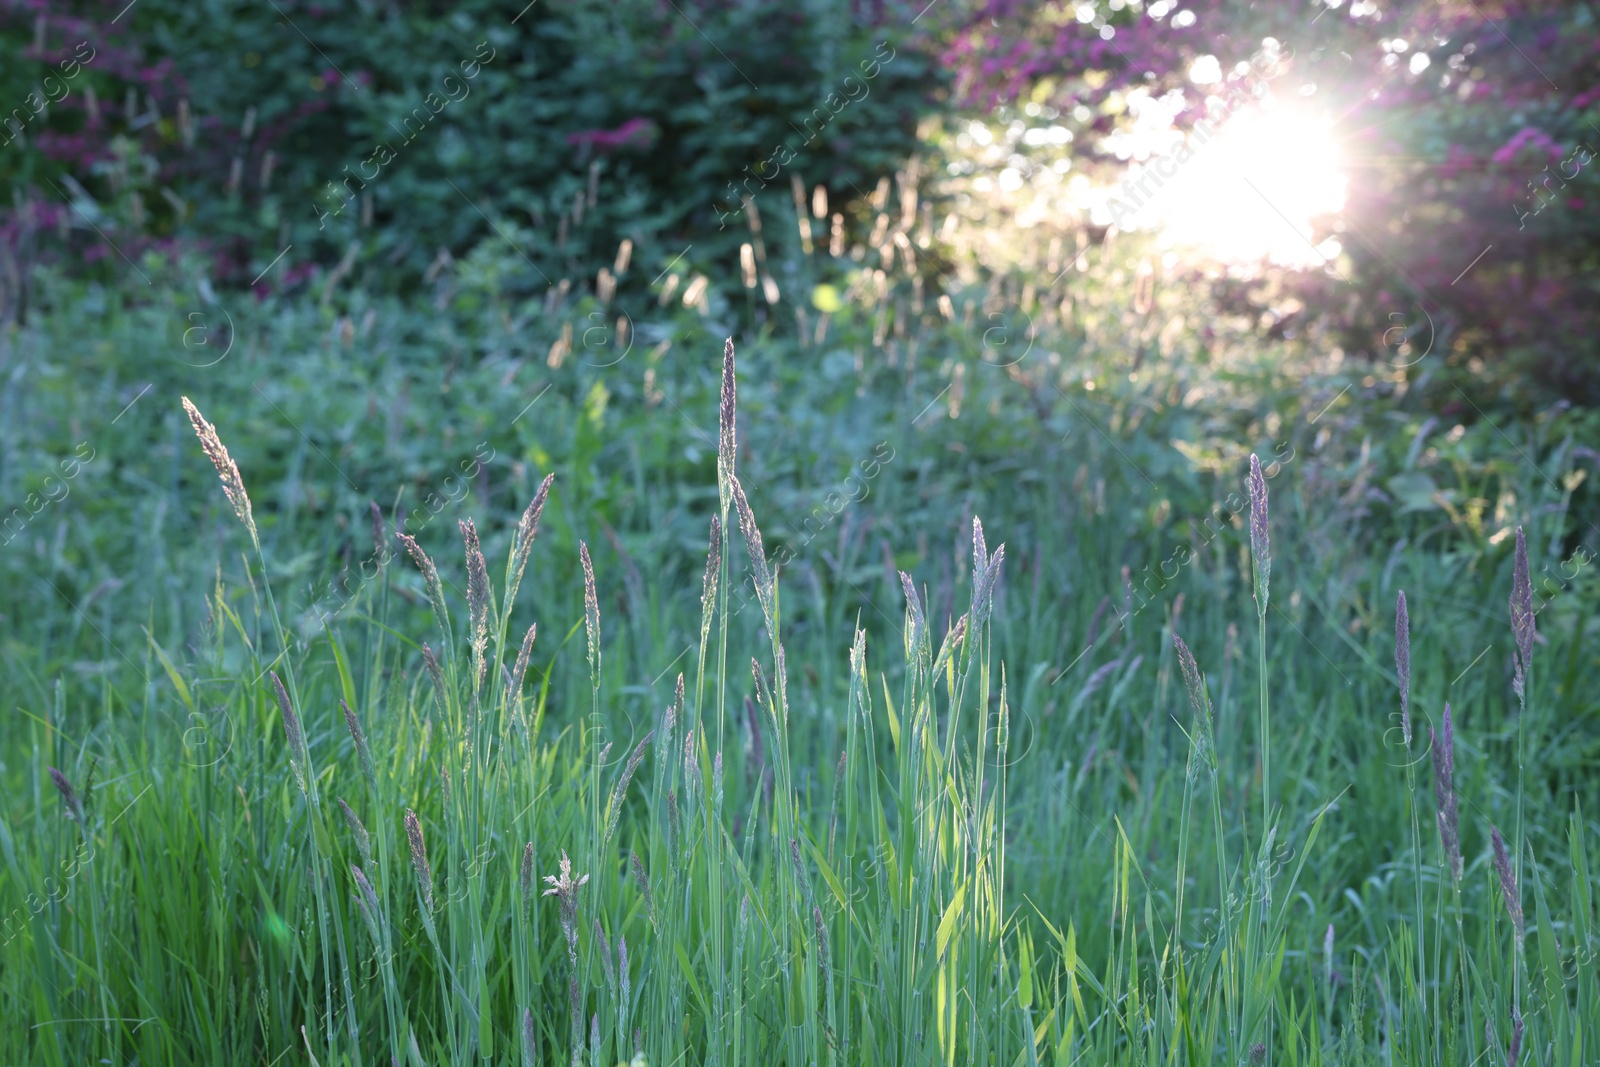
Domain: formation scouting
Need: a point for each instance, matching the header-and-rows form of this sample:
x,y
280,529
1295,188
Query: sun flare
x,y
1247,192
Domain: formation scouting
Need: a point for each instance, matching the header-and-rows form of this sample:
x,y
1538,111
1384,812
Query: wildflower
x,y
565,889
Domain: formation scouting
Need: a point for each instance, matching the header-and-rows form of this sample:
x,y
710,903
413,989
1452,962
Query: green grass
x,y
858,833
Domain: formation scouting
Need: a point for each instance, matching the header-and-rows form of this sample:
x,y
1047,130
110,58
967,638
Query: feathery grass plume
x,y
1508,883
530,1039
367,904
1258,1053
800,870
1199,702
514,689
380,540
298,760
1515,1051
419,859
1260,540
983,587
358,831
363,753
949,646
227,470
674,823
432,663
69,796
1522,627
525,881
980,550
755,549
726,414
1402,664
527,530
642,880
918,628
693,779
591,613
605,958
477,593
669,722
708,585
619,792
430,578
1191,678
564,887
1444,791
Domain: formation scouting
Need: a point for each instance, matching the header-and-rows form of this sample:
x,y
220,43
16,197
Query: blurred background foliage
x,y
408,131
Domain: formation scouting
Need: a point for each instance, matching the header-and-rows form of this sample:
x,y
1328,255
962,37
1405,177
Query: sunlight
x,y
1247,193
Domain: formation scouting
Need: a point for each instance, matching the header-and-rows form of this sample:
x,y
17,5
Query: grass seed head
x,y
1508,883
419,858
564,887
523,654
1260,539
620,791
642,880
708,585
430,576
363,753
756,550
726,414
1522,626
432,663
292,732
69,796
591,613
477,592
527,530
358,831
227,470
367,903
1444,794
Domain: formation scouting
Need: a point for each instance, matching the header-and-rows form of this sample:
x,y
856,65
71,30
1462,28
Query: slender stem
x,y
1416,865
1266,746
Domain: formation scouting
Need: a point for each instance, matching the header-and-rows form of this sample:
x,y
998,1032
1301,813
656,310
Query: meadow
x,y
1010,677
